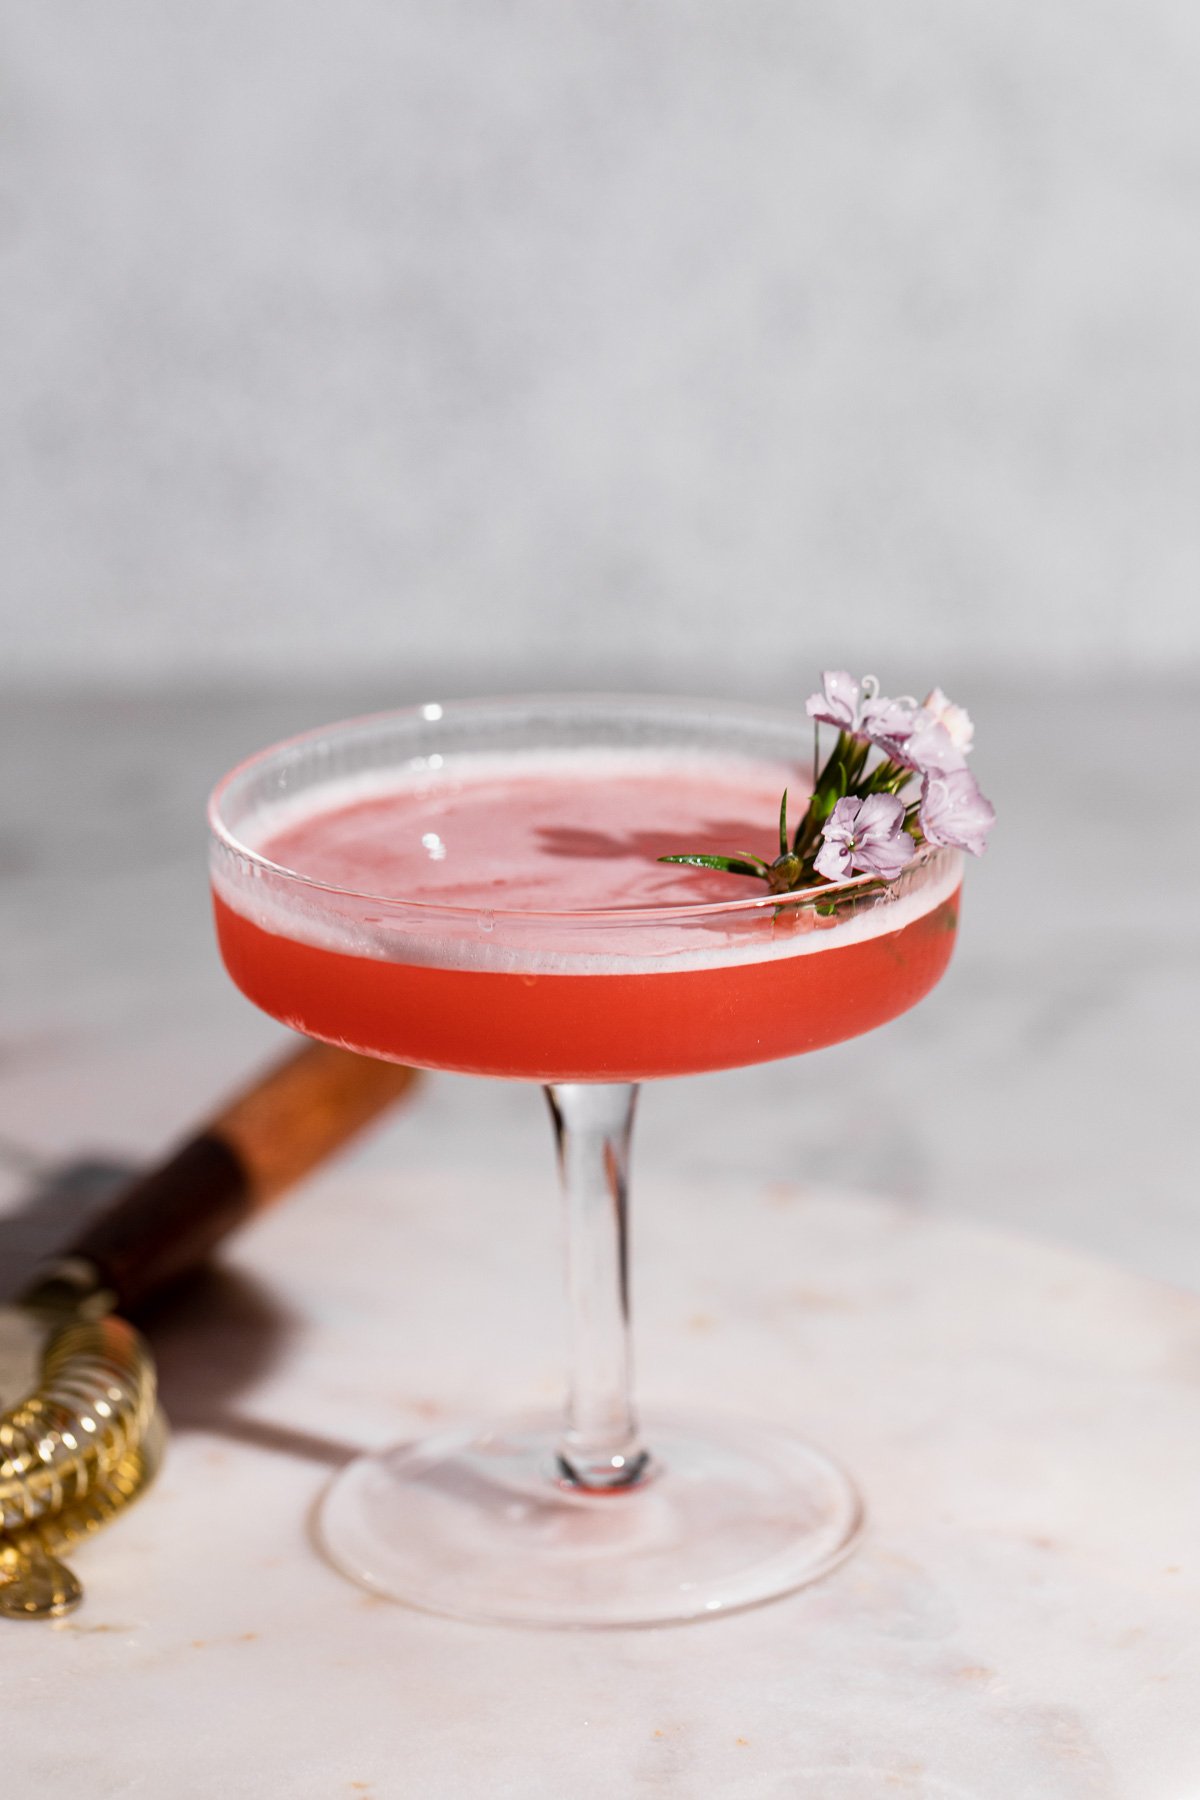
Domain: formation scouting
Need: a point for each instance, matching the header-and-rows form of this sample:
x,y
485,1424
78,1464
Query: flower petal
x,y
930,746
832,861
954,813
879,815
956,719
894,720
839,703
841,821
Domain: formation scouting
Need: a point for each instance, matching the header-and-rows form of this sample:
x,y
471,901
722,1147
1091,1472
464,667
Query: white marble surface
x,y
1020,1620
829,1242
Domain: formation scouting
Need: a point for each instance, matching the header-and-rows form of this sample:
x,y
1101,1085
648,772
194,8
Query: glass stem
x,y
600,1448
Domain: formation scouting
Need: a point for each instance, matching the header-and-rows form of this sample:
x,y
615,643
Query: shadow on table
x,y
214,1333
54,1203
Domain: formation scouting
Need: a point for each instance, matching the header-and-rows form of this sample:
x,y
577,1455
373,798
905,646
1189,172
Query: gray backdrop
x,y
656,343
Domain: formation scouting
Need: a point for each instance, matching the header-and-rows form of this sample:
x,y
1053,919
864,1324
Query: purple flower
x,y
956,719
865,837
841,702
889,721
931,737
954,813
929,748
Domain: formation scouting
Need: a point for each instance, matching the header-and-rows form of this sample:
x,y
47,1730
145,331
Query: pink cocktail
x,y
477,888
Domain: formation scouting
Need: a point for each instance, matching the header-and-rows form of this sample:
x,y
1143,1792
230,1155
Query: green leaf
x,y
826,792
888,778
854,759
731,865
783,830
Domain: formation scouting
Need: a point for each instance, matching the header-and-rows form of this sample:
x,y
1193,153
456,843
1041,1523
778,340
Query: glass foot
x,y
481,1525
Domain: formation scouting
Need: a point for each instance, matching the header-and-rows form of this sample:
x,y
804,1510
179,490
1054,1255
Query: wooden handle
x,y
266,1138
301,1111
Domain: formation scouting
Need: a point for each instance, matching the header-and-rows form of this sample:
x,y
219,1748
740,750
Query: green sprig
x,y
844,772
732,865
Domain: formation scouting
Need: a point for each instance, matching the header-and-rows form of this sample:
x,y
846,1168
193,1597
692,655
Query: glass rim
x,y
431,712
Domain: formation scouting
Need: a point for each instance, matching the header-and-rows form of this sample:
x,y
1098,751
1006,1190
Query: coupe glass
x,y
588,1518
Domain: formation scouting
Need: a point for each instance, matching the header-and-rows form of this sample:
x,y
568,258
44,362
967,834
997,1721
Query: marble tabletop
x,y
946,1251
1019,1620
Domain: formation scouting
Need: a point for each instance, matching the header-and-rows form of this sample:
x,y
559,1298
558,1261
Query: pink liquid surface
x,y
491,991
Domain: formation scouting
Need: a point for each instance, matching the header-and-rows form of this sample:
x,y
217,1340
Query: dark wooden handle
x,y
265,1139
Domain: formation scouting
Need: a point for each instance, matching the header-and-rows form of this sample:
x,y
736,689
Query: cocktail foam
x,y
675,934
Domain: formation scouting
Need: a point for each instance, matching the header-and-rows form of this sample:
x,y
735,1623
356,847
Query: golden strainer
x,y
83,1435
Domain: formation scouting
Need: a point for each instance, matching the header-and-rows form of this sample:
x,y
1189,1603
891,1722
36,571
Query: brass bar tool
x,y
86,1377
34,1582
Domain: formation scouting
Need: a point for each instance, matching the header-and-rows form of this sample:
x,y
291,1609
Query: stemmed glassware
x,y
591,1518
